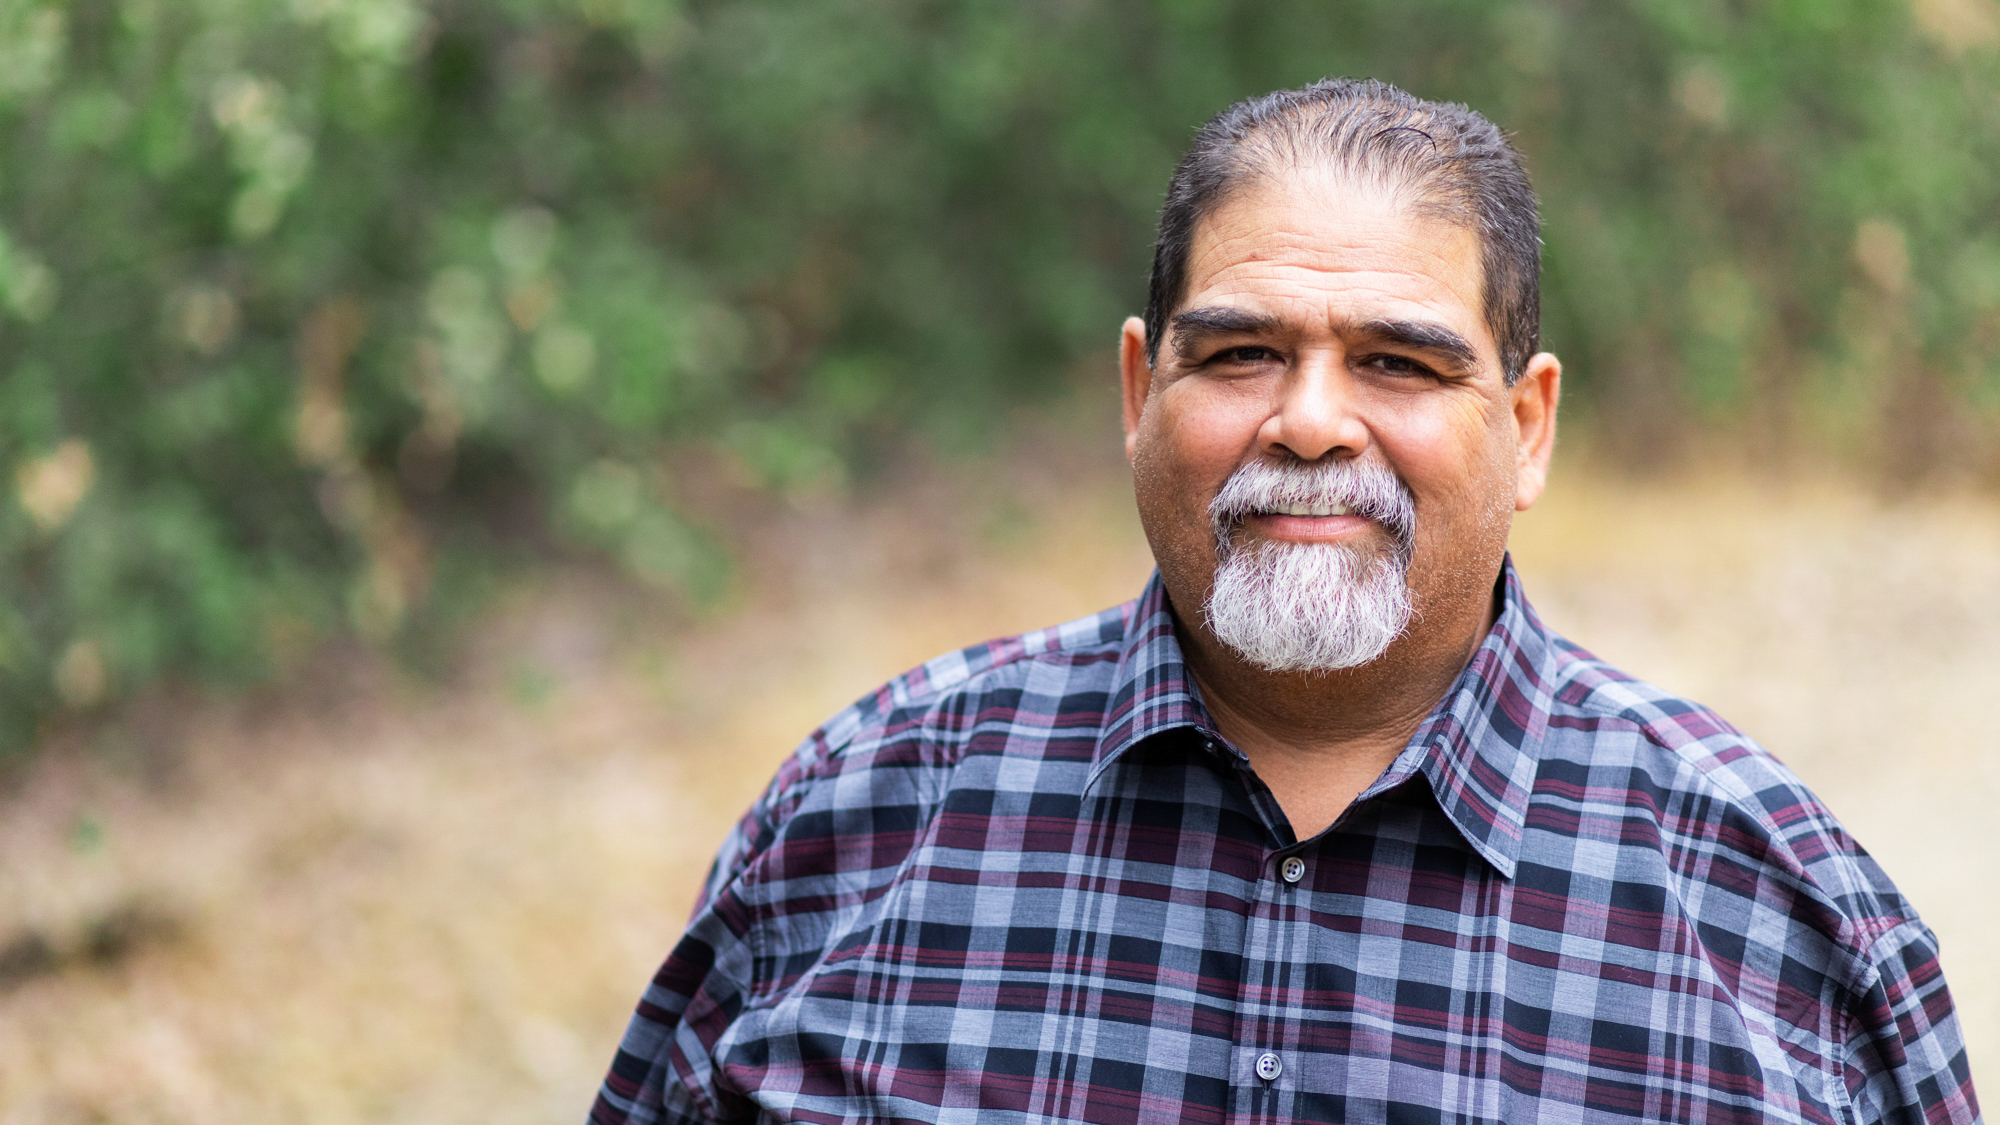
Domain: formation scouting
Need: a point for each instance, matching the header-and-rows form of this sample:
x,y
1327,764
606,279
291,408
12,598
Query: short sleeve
x,y
1906,1059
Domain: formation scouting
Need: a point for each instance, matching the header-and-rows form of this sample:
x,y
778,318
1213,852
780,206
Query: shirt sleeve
x,y
663,1071
1906,1058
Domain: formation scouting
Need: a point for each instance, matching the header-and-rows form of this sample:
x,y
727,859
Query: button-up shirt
x,y
1030,881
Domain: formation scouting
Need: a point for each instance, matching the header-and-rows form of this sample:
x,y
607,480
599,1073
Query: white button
x,y
1292,870
1268,1067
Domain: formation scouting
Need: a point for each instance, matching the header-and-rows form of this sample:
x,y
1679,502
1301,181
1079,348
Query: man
x,y
1325,826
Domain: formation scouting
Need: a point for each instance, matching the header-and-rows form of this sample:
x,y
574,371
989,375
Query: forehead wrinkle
x,y
1247,252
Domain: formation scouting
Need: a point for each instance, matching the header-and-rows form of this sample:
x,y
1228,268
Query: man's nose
x,y
1316,412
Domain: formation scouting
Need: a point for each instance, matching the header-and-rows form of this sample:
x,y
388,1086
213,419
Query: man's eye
x,y
1250,353
1397,365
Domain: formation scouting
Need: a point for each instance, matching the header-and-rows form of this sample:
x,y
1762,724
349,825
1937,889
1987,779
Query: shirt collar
x,y
1476,748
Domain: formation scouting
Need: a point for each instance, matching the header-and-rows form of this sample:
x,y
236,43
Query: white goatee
x,y
1311,607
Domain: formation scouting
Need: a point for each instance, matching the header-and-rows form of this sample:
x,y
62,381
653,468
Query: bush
x,y
310,306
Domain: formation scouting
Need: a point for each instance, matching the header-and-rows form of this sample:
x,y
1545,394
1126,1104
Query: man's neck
x,y
1318,739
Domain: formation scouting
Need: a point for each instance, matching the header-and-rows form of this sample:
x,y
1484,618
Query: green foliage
x,y
307,306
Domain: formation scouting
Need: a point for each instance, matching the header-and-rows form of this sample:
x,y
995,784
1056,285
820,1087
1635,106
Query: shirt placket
x,y
1264,1065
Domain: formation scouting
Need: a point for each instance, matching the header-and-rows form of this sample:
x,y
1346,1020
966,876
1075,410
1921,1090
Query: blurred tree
x,y
306,303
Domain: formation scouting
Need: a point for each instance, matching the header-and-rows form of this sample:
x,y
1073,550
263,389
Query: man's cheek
x,y
1443,422
1446,453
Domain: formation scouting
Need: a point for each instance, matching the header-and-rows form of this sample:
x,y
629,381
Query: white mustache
x,y
1363,488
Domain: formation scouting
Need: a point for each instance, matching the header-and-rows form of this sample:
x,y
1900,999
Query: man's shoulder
x,y
1037,678
887,749
1588,693
1633,746
1009,673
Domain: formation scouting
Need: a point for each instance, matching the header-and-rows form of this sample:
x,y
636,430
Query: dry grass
x,y
373,901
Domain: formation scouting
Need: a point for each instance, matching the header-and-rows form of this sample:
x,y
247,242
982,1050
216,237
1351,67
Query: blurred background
x,y
454,450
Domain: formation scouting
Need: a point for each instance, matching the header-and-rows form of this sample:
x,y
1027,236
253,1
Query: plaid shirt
x,y
1030,882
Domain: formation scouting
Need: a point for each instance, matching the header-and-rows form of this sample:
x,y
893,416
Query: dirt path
x,y
376,902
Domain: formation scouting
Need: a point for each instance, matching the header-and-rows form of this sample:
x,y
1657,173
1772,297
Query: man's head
x,y
1334,404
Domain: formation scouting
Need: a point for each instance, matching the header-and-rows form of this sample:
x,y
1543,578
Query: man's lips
x,y
1306,529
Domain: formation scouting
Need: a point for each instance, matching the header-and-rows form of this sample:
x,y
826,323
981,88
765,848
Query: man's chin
x,y
1313,607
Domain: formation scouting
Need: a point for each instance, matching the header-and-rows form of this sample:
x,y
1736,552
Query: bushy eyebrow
x,y
1190,326
1433,338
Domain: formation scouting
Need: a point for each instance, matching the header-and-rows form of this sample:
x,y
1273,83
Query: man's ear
x,y
1535,397
1136,375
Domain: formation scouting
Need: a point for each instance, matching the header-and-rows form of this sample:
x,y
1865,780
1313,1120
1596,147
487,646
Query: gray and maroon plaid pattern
x,y
1029,882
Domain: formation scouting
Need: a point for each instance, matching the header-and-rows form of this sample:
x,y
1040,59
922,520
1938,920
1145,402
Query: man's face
x,y
1325,322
